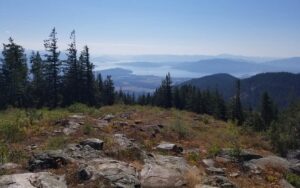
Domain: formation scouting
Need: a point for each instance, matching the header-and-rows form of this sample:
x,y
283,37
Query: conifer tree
x,y
71,81
53,70
38,80
108,93
268,110
14,74
237,110
88,77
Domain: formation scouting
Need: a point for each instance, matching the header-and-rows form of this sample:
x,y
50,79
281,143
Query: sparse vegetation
x,y
293,179
57,142
214,150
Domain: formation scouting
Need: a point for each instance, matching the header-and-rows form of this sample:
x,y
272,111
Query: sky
x,y
266,28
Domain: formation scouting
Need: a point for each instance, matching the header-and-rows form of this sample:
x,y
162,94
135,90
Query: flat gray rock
x,y
95,143
165,146
164,171
32,180
117,173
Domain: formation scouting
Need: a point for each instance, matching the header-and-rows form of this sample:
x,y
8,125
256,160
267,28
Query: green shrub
x,y
87,129
12,132
214,150
34,115
57,142
3,153
180,129
235,152
11,154
81,108
293,179
193,157
78,108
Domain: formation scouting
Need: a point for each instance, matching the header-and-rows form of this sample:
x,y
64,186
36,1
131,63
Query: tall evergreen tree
x,y
38,80
237,110
71,73
163,95
53,70
108,92
89,78
268,110
14,74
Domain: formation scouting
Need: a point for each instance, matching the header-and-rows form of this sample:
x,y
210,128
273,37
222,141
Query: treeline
x,y
47,81
190,98
283,128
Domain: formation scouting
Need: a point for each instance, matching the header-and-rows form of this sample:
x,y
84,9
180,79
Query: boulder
x,y
100,123
81,152
123,142
215,171
208,162
294,158
48,159
151,130
218,181
164,146
70,125
293,155
93,142
126,146
9,166
295,168
247,155
164,171
32,180
117,173
244,155
108,117
274,162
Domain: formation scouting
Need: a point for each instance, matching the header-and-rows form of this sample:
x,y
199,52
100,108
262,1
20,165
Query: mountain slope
x,y
283,87
222,82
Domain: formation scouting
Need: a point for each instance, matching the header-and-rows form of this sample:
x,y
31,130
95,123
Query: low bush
x,y
57,142
214,150
180,129
12,132
293,179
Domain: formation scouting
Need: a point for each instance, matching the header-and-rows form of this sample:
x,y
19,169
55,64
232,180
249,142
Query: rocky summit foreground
x,y
126,147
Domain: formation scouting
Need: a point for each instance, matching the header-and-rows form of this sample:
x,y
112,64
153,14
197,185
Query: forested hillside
x,y
283,88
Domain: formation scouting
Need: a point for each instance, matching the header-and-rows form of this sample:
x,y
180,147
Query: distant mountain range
x,y
283,87
237,67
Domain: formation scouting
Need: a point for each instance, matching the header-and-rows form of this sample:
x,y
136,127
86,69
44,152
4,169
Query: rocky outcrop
x,y
170,147
274,162
215,171
209,162
46,160
9,166
70,125
164,171
218,181
32,180
124,143
80,152
108,117
93,142
117,173
294,159
151,130
243,155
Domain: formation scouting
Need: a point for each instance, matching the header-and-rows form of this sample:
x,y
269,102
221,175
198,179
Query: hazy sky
x,y
241,27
